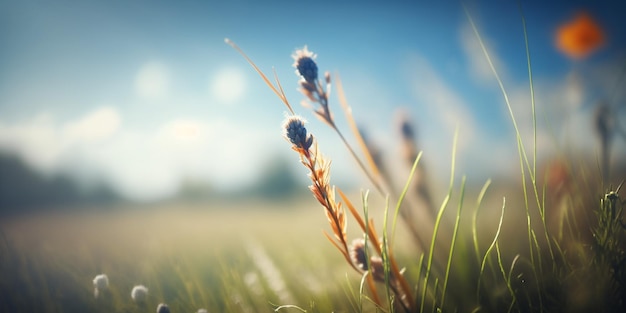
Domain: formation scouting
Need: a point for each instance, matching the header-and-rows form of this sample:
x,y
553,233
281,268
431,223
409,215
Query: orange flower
x,y
580,37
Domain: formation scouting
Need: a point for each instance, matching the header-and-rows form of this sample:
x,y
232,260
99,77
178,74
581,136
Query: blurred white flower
x,y
100,283
139,293
163,308
202,311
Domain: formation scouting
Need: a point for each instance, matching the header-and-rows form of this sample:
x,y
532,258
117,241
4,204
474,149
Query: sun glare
x,y
152,81
228,85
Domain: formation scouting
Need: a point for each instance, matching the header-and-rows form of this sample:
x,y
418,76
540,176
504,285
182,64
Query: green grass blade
x,y
491,246
481,196
403,194
452,244
438,221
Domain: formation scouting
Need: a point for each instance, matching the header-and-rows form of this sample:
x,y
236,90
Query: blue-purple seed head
x,y
305,64
307,69
296,133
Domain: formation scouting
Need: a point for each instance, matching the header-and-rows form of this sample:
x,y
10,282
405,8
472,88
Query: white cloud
x,y
98,125
151,165
152,81
143,164
134,166
44,143
228,85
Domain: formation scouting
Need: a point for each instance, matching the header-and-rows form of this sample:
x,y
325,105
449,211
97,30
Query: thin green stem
x,y
534,116
452,244
491,246
419,274
403,194
386,262
528,219
532,92
475,218
522,153
438,221
501,85
517,257
504,275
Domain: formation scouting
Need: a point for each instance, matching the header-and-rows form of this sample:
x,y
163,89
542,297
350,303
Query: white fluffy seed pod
x,y
100,283
139,293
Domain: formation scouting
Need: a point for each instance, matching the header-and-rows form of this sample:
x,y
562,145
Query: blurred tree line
x,y
24,190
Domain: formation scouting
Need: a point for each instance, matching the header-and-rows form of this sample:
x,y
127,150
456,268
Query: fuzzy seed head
x,y
305,64
296,133
101,282
357,254
139,293
163,308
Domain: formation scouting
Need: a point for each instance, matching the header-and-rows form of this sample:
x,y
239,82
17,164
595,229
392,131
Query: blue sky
x,y
143,94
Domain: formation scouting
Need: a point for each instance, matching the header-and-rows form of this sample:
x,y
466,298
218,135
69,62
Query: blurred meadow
x,y
461,156
187,256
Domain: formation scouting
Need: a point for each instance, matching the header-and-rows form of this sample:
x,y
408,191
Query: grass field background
x,y
190,256
228,256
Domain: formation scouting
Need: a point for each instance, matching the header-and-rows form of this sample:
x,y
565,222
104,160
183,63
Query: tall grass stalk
x,y
438,223
453,243
540,204
489,249
366,238
520,144
536,260
277,90
386,261
403,194
507,278
420,266
532,93
479,201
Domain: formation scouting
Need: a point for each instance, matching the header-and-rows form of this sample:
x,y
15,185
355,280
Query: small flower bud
x,y
296,133
305,65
